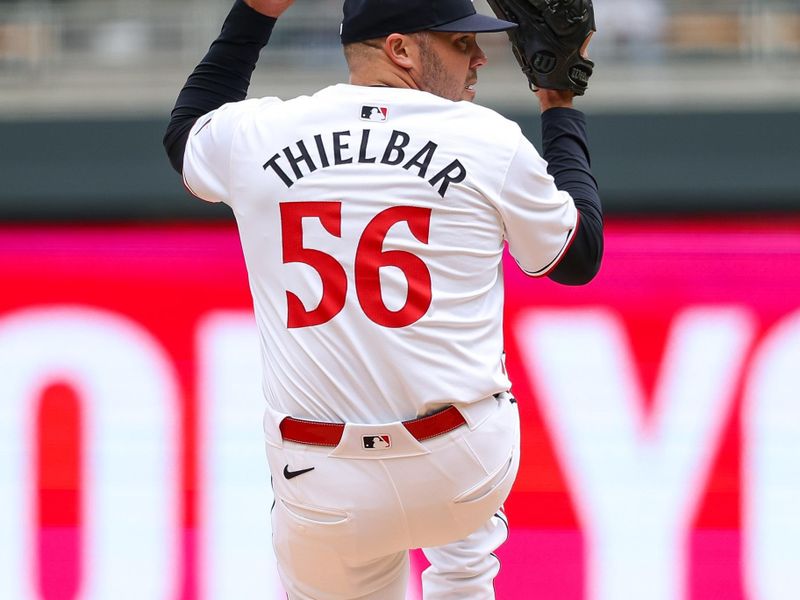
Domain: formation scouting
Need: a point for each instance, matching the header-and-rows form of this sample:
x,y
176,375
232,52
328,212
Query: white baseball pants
x,y
343,527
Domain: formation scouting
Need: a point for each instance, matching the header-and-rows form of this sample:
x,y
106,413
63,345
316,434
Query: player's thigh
x,y
465,569
312,567
460,484
490,465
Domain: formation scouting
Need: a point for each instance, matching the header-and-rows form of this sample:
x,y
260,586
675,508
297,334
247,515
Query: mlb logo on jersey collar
x,y
374,113
376,442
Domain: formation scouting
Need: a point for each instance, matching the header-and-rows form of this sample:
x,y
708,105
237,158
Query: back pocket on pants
x,y
489,485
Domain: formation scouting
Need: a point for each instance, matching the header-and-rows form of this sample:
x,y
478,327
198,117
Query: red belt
x,y
317,433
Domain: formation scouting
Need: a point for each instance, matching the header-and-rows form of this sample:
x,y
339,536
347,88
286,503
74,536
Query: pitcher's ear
x,y
401,49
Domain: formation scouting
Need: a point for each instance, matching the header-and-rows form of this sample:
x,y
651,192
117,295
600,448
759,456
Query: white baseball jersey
x,y
373,222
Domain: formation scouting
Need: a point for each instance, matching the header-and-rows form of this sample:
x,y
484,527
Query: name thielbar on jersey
x,y
334,148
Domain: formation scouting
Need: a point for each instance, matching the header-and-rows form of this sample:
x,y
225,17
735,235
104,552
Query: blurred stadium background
x,y
709,89
130,463
111,57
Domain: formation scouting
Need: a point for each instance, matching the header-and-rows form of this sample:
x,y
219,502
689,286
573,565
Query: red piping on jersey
x,y
317,433
191,191
563,253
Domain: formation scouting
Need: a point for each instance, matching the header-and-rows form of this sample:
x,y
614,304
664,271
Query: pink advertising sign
x,y
661,417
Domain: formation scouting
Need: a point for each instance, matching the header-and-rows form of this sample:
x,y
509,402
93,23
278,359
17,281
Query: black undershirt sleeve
x,y
565,148
222,76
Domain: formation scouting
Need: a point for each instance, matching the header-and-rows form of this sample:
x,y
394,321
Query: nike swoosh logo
x,y
291,474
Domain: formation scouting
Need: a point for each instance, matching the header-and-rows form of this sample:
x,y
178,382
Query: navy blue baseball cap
x,y
369,19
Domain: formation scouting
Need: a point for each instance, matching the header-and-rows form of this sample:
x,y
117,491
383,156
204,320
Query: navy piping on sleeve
x,y
566,150
222,76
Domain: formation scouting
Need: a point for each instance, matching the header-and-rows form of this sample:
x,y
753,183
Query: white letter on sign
x,y
130,400
237,558
636,480
771,466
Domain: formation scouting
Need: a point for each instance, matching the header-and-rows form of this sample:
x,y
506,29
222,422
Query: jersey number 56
x,y
370,257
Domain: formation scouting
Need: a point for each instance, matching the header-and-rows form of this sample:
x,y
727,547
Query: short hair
x,y
356,52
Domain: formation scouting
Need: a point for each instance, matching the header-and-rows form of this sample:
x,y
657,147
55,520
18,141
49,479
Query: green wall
x,y
645,163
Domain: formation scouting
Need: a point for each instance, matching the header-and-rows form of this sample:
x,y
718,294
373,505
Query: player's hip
x,y
404,491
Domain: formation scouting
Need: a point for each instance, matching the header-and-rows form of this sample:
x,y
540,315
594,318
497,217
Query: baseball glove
x,y
549,40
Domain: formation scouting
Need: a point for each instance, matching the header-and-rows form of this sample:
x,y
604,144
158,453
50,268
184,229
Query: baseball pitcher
x,y
373,217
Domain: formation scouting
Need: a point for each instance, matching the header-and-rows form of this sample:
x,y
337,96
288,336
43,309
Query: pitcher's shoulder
x,y
487,123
